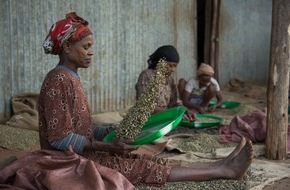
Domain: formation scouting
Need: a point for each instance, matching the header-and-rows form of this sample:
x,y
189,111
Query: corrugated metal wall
x,y
126,32
244,40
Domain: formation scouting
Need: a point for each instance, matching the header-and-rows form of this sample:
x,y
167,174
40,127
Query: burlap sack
x,y
25,113
109,117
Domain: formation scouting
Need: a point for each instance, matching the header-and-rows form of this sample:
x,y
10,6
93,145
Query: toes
x,y
239,147
249,149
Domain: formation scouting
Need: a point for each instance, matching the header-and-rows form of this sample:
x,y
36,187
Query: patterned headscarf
x,y
72,28
168,52
205,69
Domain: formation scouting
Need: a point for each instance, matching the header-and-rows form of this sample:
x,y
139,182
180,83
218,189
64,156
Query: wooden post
x,y
213,34
208,26
278,82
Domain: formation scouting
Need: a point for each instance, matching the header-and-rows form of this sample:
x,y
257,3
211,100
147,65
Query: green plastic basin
x,y
226,104
157,125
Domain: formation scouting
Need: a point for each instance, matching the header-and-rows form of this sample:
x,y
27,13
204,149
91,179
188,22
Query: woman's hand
x,y
212,108
158,109
189,115
114,146
201,109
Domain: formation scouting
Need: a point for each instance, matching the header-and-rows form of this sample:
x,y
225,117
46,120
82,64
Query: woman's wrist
x,y
89,145
92,146
100,145
219,104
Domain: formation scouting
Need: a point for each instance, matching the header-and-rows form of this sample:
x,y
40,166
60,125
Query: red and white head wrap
x,y
72,28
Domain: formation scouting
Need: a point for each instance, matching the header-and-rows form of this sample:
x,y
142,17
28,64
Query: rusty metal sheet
x,y
126,32
244,40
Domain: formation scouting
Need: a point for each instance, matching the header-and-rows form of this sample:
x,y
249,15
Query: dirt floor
x,y
282,184
254,96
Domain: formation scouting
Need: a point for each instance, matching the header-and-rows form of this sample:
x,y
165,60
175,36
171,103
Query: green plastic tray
x,y
195,124
157,125
226,104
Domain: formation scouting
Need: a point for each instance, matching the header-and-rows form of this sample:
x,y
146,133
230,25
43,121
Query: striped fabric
x,y
78,142
101,130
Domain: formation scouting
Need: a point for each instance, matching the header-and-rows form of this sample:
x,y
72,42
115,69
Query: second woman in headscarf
x,y
168,96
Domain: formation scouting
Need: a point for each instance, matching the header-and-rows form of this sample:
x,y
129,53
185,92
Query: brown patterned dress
x,y
168,97
63,109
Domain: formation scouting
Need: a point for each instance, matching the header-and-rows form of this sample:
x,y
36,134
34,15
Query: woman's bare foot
x,y
236,165
237,150
234,153
232,167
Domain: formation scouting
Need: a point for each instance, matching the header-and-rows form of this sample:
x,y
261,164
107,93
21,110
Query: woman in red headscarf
x,y
73,155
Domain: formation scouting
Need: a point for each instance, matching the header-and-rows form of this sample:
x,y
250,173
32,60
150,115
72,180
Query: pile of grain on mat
x,y
200,143
206,120
213,184
17,139
229,114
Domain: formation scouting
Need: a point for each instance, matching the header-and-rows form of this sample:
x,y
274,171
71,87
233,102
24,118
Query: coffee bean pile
x,y
134,120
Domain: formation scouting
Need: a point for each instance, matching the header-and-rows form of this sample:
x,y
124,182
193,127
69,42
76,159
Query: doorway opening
x,y
208,13
201,4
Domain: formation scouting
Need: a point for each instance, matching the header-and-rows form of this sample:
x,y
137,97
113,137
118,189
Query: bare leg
x,y
208,95
234,153
232,167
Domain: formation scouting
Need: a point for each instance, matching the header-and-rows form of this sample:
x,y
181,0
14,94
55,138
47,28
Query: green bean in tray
x,y
203,121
